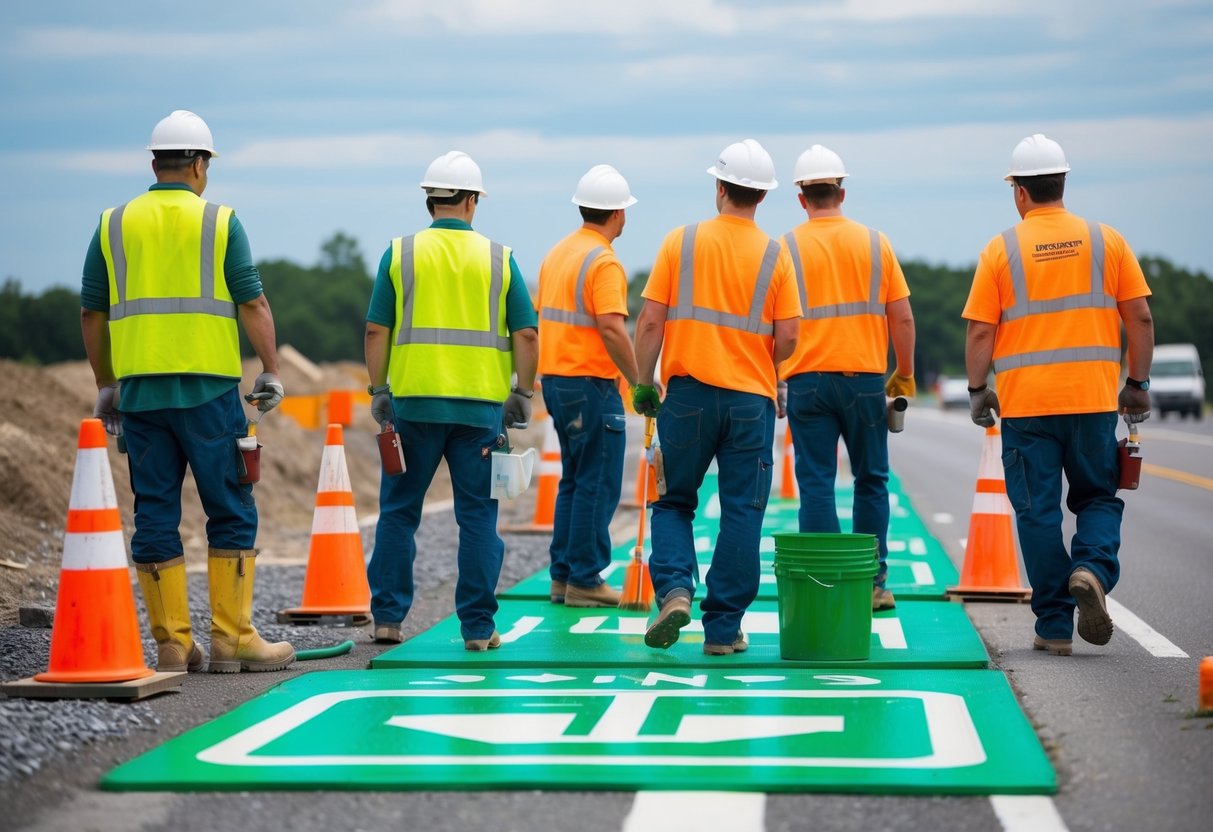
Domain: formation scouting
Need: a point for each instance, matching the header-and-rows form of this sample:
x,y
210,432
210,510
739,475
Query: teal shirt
x,y
161,392
519,314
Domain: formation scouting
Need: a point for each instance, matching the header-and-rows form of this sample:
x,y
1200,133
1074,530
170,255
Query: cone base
x,y
128,691
1017,594
128,674
340,616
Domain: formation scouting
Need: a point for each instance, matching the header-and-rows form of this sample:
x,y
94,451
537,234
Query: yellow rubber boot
x,y
168,608
235,644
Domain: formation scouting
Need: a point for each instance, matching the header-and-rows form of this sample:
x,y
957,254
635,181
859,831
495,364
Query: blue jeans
x,y
1035,452
698,422
822,408
159,445
588,416
390,573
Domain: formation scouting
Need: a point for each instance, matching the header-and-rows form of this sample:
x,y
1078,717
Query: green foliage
x,y
320,311
40,329
937,296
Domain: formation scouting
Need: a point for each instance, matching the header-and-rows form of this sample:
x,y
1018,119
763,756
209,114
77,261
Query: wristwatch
x,y
526,394
375,391
1140,385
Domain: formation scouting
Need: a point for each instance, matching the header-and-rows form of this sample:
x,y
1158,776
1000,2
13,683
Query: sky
x,y
326,114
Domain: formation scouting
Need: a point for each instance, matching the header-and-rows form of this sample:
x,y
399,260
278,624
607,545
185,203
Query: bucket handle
x,y
819,583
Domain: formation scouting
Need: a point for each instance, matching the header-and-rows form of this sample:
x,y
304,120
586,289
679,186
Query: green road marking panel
x,y
905,731
533,633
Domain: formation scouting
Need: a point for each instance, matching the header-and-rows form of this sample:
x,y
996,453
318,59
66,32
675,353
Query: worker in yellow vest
x,y
1045,311
583,349
166,278
450,322
854,297
722,299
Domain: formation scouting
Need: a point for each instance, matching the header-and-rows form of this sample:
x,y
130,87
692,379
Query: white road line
x,y
1027,813
1180,436
693,811
1142,633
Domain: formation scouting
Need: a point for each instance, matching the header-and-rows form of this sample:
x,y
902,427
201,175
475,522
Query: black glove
x,y
106,409
981,402
517,409
1134,403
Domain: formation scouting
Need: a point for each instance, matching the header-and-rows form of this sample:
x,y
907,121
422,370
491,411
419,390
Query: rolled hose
x,y
324,652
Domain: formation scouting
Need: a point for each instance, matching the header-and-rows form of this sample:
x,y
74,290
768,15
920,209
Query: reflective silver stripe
x,y
206,263
205,304
789,240
871,306
578,317
117,253
172,306
686,310
1063,356
1094,298
449,336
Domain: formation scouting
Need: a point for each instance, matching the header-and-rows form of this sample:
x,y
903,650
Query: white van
x,y
1176,381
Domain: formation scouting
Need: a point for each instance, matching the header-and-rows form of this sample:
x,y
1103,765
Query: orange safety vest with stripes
x,y
724,283
580,279
1051,284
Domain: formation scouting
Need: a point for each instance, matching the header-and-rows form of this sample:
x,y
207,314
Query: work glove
x,y
781,399
106,409
900,386
267,392
981,402
381,408
1134,404
645,399
517,409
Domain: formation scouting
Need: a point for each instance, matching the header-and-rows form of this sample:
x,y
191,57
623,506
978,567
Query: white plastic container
x,y
512,473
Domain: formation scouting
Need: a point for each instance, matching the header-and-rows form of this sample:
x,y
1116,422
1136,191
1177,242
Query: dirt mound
x,y
38,432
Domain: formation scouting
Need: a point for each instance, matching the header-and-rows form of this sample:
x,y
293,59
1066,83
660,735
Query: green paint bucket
x,y
824,585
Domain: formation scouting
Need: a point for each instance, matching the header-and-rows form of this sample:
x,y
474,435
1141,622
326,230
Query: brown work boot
x,y
479,645
1094,623
1055,646
600,596
739,645
882,599
388,634
557,592
675,614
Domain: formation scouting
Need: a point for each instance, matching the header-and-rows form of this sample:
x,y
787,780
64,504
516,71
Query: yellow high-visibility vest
x,y
170,309
450,338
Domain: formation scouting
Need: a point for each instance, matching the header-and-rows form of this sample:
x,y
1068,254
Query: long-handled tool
x,y
637,595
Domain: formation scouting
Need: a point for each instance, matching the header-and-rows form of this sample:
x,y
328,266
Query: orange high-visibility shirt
x,y
1051,285
722,332
579,279
846,273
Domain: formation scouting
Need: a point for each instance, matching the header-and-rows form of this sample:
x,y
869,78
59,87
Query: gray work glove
x,y
267,392
1134,404
781,399
981,402
106,409
517,409
381,408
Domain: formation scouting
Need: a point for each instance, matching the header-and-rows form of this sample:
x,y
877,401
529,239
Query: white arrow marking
x,y
542,679
917,546
888,631
839,679
522,626
752,680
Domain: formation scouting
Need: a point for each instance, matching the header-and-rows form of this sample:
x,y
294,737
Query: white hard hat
x,y
450,173
1037,155
603,188
182,130
746,163
818,164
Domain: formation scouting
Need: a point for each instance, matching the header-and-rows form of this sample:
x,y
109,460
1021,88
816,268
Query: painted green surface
x,y
913,732
537,633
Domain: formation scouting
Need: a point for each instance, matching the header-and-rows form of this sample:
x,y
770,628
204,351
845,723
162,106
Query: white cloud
x,y
80,43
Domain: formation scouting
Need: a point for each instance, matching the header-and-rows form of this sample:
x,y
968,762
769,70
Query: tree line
x,y
321,310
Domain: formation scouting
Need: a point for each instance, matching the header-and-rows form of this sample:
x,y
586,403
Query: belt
x,y
850,374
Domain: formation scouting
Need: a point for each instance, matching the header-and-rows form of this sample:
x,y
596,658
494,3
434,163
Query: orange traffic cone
x,y
336,583
991,569
788,488
96,650
550,469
